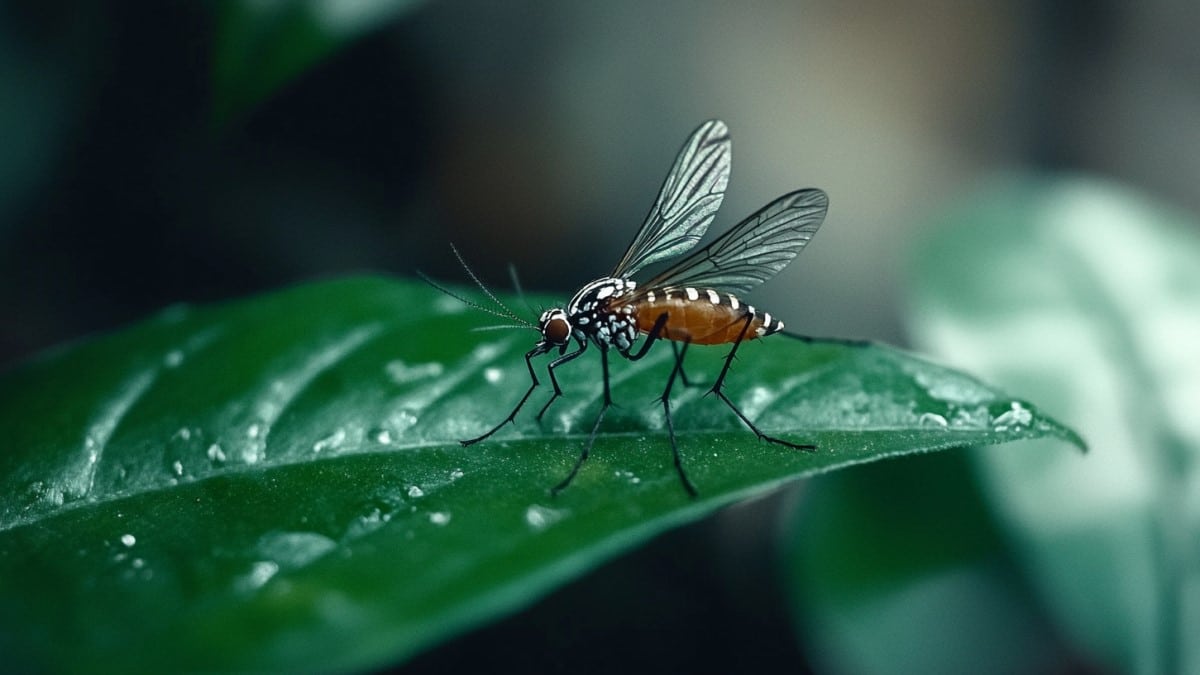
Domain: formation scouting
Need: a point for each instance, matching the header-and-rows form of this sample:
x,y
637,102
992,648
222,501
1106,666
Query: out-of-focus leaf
x,y
262,44
899,568
1088,297
276,484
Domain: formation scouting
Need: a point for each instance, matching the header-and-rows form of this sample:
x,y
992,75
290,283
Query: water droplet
x,y
330,442
448,305
382,436
402,419
128,539
415,492
439,517
184,434
1016,418
138,563
628,475
215,453
932,420
177,468
253,451
291,550
402,373
755,401
259,574
487,351
254,430
540,517
492,374
456,474
173,358
970,418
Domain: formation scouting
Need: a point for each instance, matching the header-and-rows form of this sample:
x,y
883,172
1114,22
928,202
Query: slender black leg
x,y
679,359
666,401
533,385
717,389
846,342
654,334
554,380
587,449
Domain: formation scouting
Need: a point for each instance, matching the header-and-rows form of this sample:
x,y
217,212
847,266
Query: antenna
x,y
503,312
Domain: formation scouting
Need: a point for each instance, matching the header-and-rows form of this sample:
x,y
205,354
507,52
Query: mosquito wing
x,y
687,203
752,251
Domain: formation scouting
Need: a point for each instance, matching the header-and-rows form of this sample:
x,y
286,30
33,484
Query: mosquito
x,y
694,301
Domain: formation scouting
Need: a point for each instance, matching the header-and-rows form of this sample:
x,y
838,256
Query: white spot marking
x,y
733,302
778,326
583,321
713,297
766,319
692,294
760,331
750,308
650,296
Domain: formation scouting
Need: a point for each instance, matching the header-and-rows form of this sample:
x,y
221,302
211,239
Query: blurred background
x,y
163,152
153,153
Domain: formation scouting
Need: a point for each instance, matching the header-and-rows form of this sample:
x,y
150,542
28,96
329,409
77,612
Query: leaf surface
x,y
276,483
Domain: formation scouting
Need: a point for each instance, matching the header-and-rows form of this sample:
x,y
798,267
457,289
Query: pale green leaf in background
x,y
1086,296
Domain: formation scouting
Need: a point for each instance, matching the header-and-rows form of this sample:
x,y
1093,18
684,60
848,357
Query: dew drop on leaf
x,y
540,517
215,453
933,420
331,442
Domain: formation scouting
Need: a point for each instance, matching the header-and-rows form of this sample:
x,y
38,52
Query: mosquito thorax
x,y
555,327
594,315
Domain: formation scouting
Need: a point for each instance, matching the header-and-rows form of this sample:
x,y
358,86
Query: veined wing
x,y
687,202
752,251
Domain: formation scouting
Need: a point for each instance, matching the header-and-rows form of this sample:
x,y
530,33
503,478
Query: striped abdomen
x,y
702,316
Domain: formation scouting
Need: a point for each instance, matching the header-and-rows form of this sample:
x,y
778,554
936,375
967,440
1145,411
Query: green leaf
x,y
276,484
1088,296
262,44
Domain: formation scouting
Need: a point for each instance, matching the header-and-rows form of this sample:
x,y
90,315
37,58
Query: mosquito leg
x,y
718,389
533,385
679,358
666,401
845,342
654,334
554,380
587,449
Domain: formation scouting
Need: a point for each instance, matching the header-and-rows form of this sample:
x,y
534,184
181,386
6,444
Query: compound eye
x,y
557,330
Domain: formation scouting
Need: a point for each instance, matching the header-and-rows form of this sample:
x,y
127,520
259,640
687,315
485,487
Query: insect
x,y
694,301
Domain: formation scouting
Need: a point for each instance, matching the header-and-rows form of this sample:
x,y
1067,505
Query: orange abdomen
x,y
702,316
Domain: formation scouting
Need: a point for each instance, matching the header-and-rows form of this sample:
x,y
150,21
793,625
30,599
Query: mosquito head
x,y
555,328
